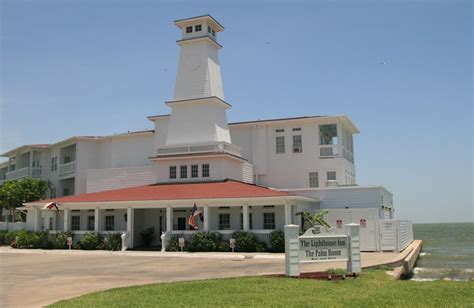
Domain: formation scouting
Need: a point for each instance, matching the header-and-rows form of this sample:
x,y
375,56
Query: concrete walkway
x,y
34,278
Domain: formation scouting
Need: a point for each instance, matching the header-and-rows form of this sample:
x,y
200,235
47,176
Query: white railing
x,y
328,150
67,168
200,148
347,155
23,172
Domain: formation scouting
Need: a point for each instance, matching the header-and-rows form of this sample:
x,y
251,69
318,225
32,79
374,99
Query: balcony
x,y
67,168
22,173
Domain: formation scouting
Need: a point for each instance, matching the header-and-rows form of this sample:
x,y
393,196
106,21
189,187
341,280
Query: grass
x,y
373,288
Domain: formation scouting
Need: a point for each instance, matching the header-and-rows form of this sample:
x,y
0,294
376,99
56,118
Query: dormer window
x,y
197,28
209,29
189,29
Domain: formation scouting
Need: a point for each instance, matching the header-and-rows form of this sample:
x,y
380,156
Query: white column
x,y
287,214
130,227
169,219
245,215
206,218
96,220
37,220
66,219
354,264
291,250
30,170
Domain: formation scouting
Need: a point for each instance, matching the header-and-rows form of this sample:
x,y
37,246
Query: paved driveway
x,y
34,278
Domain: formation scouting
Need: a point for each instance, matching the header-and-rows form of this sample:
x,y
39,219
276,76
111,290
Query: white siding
x,y
115,178
341,197
219,168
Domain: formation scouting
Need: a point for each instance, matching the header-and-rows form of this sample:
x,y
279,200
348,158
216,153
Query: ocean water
x,y
448,251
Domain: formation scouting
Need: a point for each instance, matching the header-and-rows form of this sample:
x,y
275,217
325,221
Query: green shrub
x,y
2,237
59,240
10,236
224,247
148,236
28,239
205,241
90,241
173,243
247,242
113,241
277,241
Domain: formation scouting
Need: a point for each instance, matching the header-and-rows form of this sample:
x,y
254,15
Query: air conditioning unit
x,y
297,150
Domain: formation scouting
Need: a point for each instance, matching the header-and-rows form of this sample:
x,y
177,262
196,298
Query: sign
x,y
323,248
232,244
69,241
181,243
328,246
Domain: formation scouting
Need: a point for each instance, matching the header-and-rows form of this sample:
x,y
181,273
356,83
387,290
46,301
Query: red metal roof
x,y
226,189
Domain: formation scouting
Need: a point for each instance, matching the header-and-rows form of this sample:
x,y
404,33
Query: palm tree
x,y
316,219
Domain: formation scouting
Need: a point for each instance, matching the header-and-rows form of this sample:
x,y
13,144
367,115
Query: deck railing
x,y
67,168
23,172
199,148
328,150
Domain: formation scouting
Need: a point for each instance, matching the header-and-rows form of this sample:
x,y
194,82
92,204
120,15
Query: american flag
x,y
192,215
50,206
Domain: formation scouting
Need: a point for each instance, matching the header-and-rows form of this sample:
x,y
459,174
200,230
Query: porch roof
x,y
225,189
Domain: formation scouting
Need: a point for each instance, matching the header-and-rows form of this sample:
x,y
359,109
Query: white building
x,y
253,176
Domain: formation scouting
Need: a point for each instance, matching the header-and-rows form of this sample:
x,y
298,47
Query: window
x,y
75,223
224,221
297,144
183,172
213,32
189,29
53,192
280,144
331,175
209,29
65,191
197,28
90,223
328,134
205,170
172,172
297,129
242,221
109,223
268,221
313,179
54,163
50,225
194,171
279,130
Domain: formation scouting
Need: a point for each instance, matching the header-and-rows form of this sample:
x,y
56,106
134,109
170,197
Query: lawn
x,y
373,288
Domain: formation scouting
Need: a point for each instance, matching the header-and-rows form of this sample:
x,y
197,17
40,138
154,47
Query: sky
x,y
401,70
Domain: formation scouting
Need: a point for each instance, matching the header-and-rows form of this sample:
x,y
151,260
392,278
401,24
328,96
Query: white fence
x,y
12,226
396,234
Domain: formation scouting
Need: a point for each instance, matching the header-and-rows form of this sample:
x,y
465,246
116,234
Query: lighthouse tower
x,y
198,109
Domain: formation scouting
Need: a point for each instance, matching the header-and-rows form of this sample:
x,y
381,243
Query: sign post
x,y
232,244
69,242
181,243
292,267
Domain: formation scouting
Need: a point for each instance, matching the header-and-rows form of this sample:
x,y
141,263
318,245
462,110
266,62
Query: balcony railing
x,y
67,168
23,172
328,150
200,148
